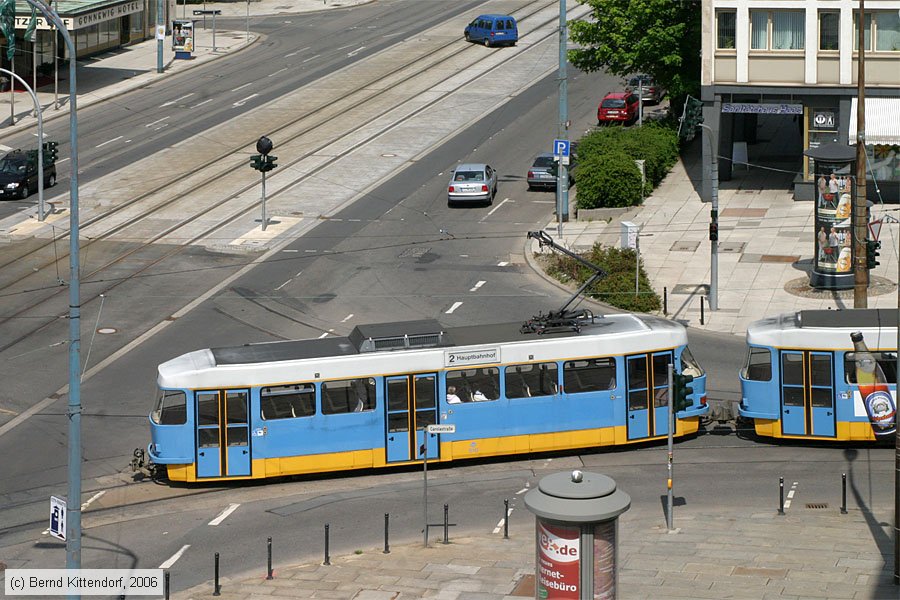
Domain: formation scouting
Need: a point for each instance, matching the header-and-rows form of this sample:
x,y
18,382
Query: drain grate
x,y
417,252
817,505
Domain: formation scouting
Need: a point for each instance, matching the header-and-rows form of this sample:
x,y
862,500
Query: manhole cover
x,y
685,246
731,247
744,212
107,330
524,587
778,258
817,505
416,252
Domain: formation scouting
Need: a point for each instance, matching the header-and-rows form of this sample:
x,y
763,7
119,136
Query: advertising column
x,y
559,564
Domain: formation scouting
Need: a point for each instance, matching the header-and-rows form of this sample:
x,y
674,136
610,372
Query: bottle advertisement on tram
x,y
874,392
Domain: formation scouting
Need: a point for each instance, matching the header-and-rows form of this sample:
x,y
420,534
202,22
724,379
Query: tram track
x,y
147,205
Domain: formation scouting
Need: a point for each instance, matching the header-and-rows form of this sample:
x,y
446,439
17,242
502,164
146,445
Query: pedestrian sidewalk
x,y
807,553
109,75
766,245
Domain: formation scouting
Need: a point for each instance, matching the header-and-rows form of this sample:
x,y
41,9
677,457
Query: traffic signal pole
x,y
562,183
670,501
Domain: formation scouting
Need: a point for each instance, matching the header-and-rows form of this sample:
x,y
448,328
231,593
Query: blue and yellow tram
x,y
800,375
364,401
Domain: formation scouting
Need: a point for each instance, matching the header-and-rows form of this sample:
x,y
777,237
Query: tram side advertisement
x,y
559,561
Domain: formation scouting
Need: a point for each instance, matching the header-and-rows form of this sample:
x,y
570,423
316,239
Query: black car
x,y
19,174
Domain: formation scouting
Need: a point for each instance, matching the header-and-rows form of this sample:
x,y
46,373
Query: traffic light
x,y
872,247
270,162
682,389
51,152
691,118
257,162
714,232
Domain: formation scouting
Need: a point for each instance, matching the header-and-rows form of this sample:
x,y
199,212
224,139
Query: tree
x,y
658,37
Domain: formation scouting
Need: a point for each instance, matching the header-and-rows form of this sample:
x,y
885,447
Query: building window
x,y
829,28
883,27
726,21
777,30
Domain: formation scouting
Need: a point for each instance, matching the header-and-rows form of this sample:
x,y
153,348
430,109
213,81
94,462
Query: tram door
x,y
223,433
807,394
648,394
411,406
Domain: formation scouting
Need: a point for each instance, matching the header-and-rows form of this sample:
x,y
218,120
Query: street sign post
x,y
447,428
423,449
57,517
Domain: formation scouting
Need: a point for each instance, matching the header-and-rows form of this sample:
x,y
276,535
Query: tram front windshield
x,y
689,365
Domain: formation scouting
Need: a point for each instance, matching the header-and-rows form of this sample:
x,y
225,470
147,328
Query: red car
x,y
618,107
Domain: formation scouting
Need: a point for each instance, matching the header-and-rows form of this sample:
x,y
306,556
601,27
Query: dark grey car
x,y
649,89
541,173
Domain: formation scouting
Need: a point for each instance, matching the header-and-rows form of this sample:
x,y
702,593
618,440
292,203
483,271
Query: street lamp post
x,y
860,271
73,518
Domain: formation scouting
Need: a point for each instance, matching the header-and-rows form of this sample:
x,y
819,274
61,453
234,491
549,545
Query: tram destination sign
x,y
483,356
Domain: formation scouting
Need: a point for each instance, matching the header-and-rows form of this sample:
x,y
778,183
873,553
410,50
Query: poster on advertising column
x,y
559,562
183,38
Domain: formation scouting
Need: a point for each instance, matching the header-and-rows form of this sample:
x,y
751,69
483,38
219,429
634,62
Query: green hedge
x,y
604,179
617,288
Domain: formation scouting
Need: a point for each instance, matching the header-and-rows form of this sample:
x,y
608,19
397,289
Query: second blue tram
x,y
799,378
364,401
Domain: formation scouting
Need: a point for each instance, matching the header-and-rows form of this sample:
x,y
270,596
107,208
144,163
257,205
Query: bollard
x,y
701,310
665,301
166,585
269,561
843,493
387,548
327,558
446,524
781,495
216,587
506,519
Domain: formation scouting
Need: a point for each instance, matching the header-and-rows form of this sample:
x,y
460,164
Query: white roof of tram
x,y
274,363
826,329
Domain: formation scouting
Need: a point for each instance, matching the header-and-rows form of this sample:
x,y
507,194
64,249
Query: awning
x,y
882,121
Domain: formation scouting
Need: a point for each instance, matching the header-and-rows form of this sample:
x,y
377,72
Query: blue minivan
x,y
493,30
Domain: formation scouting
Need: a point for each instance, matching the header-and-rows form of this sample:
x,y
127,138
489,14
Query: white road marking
x,y
283,284
155,122
240,87
347,318
345,47
92,498
298,272
478,285
63,160
171,102
357,51
312,57
502,521
454,307
36,408
323,335
224,514
109,141
202,103
168,564
276,72
544,201
791,494
289,250
502,263
243,101
494,209
522,491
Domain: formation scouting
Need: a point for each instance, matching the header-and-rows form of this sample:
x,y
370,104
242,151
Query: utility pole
x,y
860,272
562,183
159,40
713,218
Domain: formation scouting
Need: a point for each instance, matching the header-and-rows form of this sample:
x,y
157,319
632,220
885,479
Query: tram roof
x,y
825,329
441,337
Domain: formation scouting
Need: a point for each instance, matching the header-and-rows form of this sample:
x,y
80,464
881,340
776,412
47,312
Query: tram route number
x,y
441,428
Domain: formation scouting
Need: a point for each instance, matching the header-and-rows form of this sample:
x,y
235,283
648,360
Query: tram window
x,y
475,385
425,392
592,375
208,438
424,418
236,407
171,408
821,397
208,408
792,369
287,401
661,379
793,396
348,395
398,422
524,381
689,364
237,436
637,373
637,400
886,360
820,370
759,365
